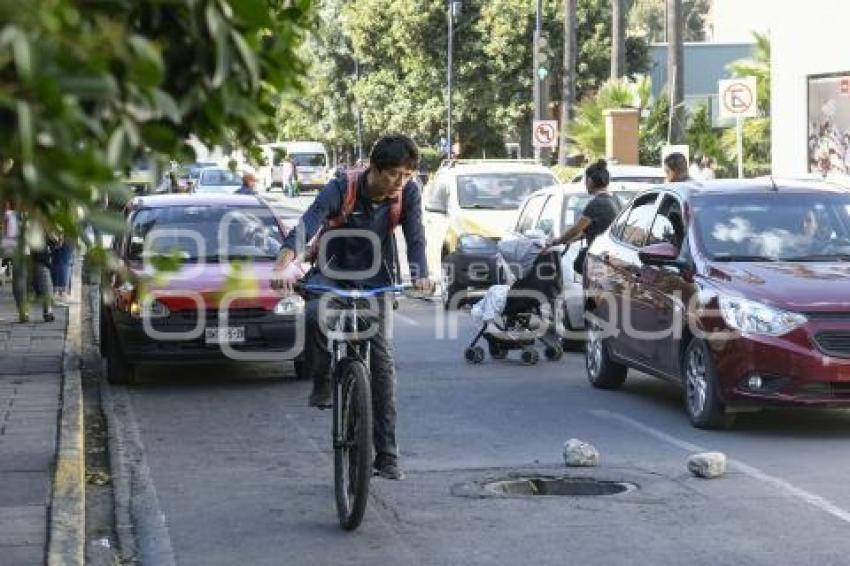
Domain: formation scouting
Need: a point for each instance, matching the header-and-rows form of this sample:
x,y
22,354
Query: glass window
x,y
205,233
309,159
438,196
802,226
638,221
499,190
220,177
669,225
551,216
529,215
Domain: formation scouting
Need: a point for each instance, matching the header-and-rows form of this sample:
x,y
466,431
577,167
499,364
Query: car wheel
x,y
702,402
602,371
118,370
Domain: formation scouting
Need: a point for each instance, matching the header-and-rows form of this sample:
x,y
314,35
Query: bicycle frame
x,y
348,323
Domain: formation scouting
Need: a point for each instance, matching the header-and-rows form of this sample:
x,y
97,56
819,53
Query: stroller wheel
x,y
530,356
496,352
553,352
474,355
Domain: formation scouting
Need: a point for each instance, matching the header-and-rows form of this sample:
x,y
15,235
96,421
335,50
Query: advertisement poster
x,y
829,124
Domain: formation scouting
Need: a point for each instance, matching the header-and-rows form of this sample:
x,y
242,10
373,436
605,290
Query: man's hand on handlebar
x,y
286,272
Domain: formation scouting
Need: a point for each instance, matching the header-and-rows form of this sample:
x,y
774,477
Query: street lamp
x,y
453,11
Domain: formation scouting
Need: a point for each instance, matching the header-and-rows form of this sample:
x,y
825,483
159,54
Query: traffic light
x,y
543,60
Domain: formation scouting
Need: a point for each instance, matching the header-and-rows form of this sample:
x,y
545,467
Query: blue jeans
x,y
60,271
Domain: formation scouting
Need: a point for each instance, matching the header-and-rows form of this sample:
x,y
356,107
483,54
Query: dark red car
x,y
739,291
193,285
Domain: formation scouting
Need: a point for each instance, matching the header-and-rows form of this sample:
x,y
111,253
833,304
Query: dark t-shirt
x,y
601,210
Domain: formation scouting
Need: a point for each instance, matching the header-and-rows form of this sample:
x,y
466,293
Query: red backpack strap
x,y
349,199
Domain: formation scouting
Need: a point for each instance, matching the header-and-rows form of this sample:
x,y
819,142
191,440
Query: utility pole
x,y
568,93
618,39
541,73
675,71
453,8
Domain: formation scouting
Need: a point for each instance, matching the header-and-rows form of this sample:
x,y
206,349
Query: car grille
x,y
834,343
233,315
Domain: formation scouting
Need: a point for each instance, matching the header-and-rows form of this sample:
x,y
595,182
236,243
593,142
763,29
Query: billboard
x,y
829,124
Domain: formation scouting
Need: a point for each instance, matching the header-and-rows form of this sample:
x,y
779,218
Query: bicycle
x,y
352,399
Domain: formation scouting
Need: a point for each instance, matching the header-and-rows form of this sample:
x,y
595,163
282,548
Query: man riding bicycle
x,y
370,203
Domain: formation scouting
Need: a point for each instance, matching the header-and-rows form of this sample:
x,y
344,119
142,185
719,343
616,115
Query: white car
x,y
627,174
550,212
468,206
216,180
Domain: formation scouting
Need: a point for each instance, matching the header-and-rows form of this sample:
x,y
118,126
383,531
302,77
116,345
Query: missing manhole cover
x,y
559,486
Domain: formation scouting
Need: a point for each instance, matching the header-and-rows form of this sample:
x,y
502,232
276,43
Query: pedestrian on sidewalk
x,y
31,271
62,260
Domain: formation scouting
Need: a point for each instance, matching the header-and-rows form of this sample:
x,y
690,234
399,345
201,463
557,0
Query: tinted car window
x,y
668,225
550,218
220,177
499,190
207,233
774,226
309,159
529,215
638,221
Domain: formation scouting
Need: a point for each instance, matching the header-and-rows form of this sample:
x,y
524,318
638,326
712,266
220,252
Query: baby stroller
x,y
515,316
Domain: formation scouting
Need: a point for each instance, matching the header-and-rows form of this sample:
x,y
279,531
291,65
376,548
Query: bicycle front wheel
x,y
353,456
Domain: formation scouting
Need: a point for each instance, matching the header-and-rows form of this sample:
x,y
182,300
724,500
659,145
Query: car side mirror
x,y
662,253
438,208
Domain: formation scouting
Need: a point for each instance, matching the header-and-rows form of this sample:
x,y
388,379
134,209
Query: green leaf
x,y
252,13
147,67
159,138
248,58
167,105
115,147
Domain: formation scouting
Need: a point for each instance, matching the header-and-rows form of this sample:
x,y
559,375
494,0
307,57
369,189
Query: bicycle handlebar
x,y
351,293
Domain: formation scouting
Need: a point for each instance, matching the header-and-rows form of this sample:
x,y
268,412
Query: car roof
x,y
754,186
196,199
493,166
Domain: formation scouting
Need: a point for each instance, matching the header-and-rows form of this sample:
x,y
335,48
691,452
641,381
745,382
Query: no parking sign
x,y
545,133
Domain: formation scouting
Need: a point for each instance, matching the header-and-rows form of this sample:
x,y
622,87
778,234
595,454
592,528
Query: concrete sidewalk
x,y
33,360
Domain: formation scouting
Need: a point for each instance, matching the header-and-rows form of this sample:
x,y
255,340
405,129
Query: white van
x,y
311,163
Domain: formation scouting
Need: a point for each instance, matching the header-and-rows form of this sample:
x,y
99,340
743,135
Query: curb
x,y
66,529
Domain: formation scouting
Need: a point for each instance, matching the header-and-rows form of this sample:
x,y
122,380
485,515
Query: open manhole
x,y
579,487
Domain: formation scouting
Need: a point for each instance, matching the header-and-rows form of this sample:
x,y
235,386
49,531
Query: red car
x,y
739,291
194,285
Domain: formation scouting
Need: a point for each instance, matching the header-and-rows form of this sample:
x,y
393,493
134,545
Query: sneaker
x,y
321,397
390,472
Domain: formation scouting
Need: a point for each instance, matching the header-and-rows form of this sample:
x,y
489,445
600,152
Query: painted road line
x,y
784,486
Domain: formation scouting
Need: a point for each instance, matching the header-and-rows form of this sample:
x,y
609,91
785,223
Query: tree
x,y
647,19
86,91
675,71
568,94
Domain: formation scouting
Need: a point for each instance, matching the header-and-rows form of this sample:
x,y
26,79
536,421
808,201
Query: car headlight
x,y
756,318
149,309
289,305
475,242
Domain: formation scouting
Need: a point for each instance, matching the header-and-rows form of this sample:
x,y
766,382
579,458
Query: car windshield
x,y
221,177
308,159
774,226
499,190
205,233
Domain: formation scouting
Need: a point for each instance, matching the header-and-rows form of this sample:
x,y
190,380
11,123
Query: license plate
x,y
229,335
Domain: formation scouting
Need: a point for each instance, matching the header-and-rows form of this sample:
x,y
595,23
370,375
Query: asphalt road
x,y
232,467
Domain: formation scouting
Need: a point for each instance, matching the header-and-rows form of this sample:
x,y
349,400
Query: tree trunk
x,y
568,93
675,71
618,38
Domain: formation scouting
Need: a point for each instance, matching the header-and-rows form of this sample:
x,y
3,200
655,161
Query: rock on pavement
x,y
707,464
580,453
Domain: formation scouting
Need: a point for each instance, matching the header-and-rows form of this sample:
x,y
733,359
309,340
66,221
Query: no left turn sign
x,y
545,133
738,98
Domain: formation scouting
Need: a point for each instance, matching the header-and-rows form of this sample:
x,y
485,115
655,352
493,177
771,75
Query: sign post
x,y
738,100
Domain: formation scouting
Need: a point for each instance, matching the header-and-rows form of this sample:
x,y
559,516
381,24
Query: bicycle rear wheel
x,y
353,456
